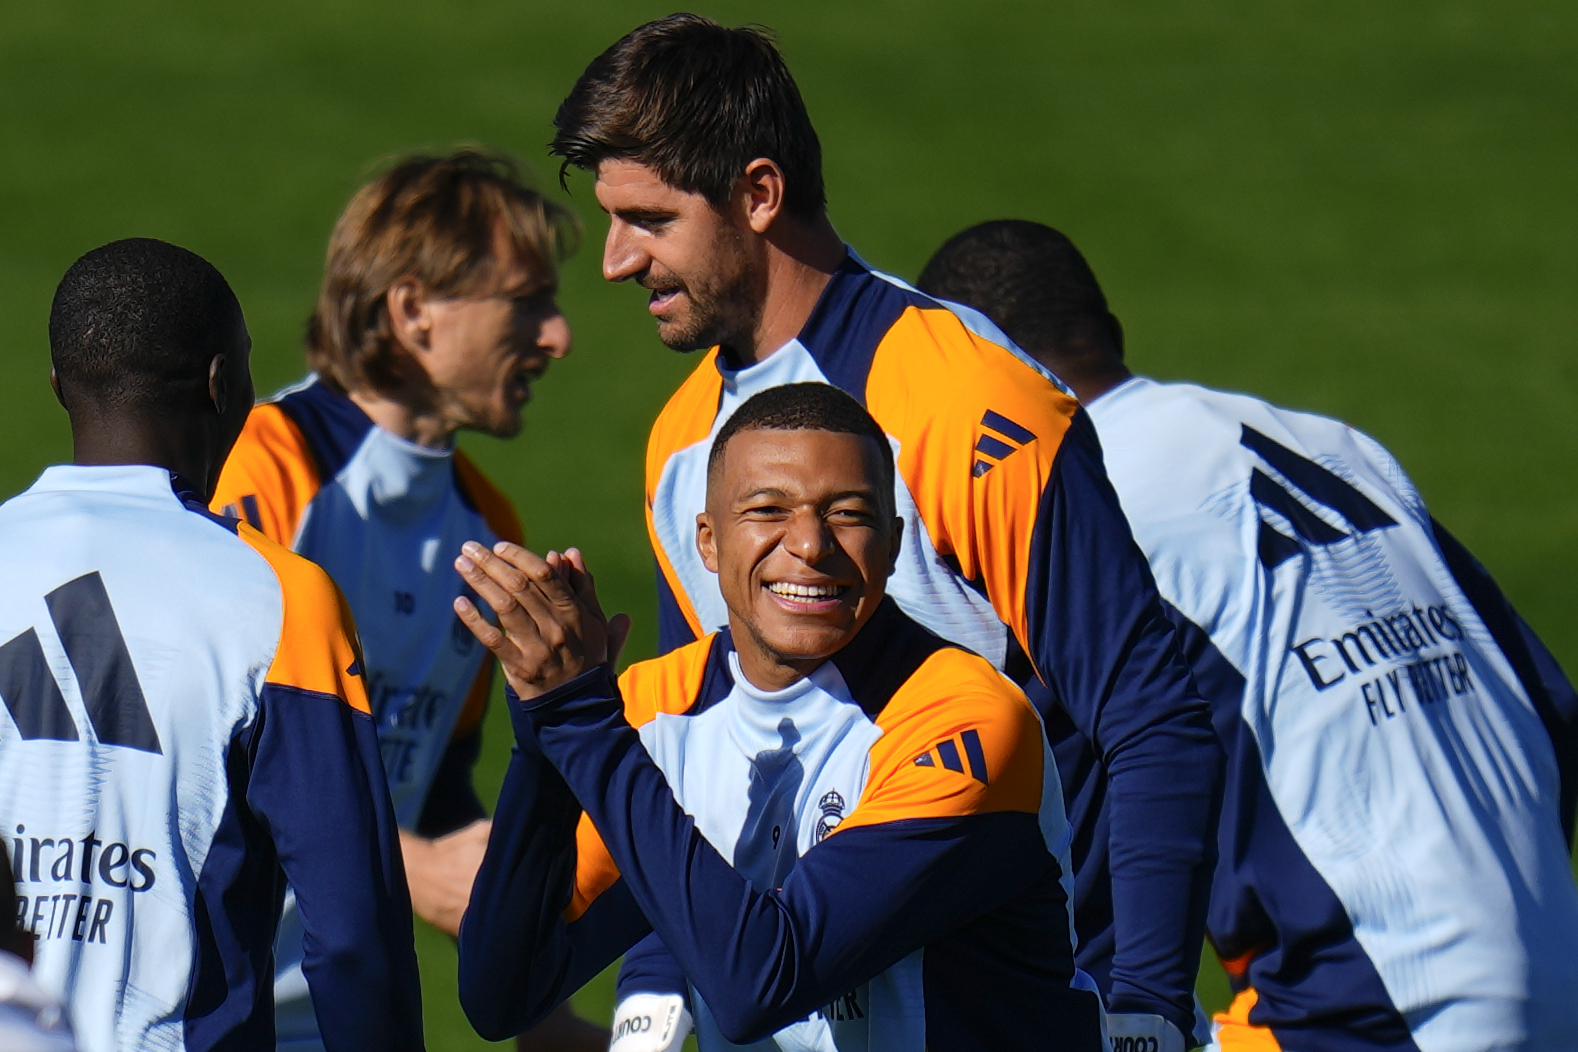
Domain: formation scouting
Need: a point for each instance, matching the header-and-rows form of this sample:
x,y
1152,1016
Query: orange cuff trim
x,y
1235,1033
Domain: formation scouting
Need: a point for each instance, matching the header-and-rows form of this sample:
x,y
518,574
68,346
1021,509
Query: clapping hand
x,y
551,627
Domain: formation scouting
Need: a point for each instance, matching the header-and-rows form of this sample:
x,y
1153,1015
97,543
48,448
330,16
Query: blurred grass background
x,y
1363,209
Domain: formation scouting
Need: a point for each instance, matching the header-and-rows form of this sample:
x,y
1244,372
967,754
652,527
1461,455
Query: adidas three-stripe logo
x,y
990,448
946,754
1317,485
91,637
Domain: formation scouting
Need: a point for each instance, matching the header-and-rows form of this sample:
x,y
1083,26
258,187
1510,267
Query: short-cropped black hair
x,y
805,407
136,322
1028,278
696,102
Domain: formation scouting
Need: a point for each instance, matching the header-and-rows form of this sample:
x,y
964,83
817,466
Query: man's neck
x,y
801,259
112,441
1089,388
765,669
424,426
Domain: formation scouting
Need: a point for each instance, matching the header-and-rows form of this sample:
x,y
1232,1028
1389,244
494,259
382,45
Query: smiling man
x,y
846,830
1016,547
436,316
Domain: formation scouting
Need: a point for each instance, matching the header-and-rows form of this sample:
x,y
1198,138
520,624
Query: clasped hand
x,y
551,627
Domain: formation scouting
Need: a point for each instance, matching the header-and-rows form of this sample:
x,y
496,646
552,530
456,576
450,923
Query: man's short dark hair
x,y
136,323
696,102
1030,280
805,407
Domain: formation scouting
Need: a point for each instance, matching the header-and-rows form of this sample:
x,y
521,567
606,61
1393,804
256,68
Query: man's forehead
x,y
799,460
514,272
620,179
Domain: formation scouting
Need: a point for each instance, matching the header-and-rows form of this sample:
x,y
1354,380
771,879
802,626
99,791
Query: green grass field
x,y
1364,209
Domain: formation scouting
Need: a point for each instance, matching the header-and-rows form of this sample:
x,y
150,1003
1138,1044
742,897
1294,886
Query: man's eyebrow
x,y
646,214
765,491
854,494
774,493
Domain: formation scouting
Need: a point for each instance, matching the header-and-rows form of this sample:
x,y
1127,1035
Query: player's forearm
x,y
517,955
764,960
1162,855
1100,634
360,958
650,969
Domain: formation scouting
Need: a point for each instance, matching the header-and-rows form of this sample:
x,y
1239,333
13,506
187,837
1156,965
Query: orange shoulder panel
x,y
595,871
685,420
666,684
270,476
497,509
977,740
979,430
318,646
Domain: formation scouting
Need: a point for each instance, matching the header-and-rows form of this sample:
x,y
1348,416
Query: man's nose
x,y
808,538
623,258
554,338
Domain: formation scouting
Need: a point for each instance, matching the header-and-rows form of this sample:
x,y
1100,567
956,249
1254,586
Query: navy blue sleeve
x,y
1111,658
1537,668
317,783
673,630
519,957
452,802
851,907
649,968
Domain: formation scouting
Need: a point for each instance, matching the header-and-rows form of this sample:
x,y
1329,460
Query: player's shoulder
x,y
911,681
302,582
959,738
673,683
487,499
318,650
954,688
687,416
332,426
939,364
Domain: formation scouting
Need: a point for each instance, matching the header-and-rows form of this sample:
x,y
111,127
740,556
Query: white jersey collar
x,y
141,480
391,471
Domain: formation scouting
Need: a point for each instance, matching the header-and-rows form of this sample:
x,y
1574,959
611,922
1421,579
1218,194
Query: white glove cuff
x,y
1140,1032
651,1023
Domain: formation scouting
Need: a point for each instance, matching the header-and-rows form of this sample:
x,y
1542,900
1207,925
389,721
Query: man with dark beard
x,y
710,171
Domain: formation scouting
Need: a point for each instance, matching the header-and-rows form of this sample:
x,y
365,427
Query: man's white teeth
x,y
804,591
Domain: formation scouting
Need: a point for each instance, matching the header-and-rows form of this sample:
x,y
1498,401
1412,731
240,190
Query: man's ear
x,y
707,542
762,187
1115,327
410,314
898,543
54,385
218,387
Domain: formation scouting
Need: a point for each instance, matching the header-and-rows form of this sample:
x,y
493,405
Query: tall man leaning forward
x,y
710,170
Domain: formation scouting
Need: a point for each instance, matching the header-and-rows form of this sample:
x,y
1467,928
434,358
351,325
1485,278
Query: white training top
x,y
1401,750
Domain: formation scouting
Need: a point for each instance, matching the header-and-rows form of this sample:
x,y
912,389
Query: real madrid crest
x,y
832,805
